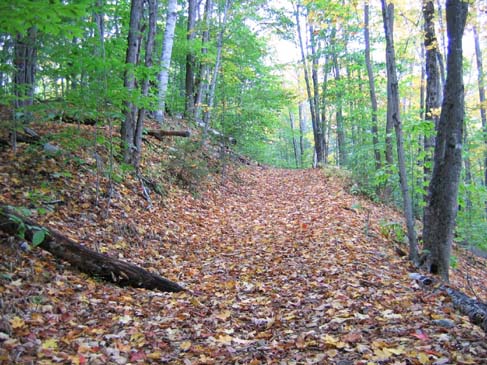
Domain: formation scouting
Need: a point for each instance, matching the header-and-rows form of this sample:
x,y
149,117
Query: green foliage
x,y
392,230
121,171
39,234
453,261
49,17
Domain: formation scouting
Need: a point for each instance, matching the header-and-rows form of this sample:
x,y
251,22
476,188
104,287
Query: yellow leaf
x,y
17,322
50,344
333,341
395,351
155,355
225,339
224,315
423,358
329,340
185,346
137,338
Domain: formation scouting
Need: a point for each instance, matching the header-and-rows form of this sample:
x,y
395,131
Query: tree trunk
x,y
216,70
318,144
204,67
373,97
433,86
440,213
324,120
316,93
339,113
167,44
394,114
295,146
149,50
302,124
483,105
131,111
85,260
190,60
25,60
442,54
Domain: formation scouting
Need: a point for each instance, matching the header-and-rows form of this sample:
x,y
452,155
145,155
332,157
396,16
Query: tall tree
x,y
167,45
318,136
440,213
127,132
433,84
393,112
25,56
295,145
373,97
315,59
302,123
340,130
216,69
132,125
190,60
481,87
204,65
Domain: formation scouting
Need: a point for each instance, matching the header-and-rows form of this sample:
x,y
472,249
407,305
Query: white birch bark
x,y
167,45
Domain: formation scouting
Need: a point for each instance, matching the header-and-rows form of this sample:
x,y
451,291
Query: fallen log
x,y
160,134
474,309
27,136
90,262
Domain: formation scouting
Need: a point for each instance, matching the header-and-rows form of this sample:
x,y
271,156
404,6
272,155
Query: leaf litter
x,y
281,267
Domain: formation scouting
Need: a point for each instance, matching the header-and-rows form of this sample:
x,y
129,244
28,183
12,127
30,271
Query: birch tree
x,y
167,45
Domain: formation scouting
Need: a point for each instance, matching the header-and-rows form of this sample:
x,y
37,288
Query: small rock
x,y
447,323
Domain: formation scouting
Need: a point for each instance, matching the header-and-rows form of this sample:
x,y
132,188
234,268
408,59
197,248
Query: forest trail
x,y
281,267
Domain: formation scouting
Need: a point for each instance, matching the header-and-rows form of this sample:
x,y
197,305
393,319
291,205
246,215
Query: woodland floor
x,y
281,267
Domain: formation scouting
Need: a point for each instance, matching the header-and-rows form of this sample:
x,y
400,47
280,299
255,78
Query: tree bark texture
x,y
25,59
295,146
316,135
433,85
85,260
481,86
167,45
149,51
394,114
373,96
216,70
204,66
302,123
128,127
316,93
190,60
339,114
440,213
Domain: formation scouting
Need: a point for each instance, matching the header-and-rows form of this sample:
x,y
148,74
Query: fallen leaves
x,y
279,271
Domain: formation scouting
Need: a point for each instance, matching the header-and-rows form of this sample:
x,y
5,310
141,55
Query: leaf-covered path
x,y
281,267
